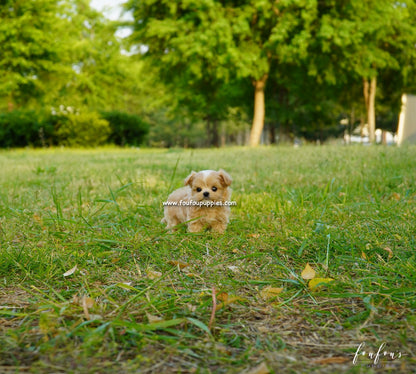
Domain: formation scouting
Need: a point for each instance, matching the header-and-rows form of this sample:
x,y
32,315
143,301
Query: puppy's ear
x,y
189,178
224,178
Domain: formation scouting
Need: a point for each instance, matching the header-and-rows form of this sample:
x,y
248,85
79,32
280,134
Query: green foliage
x,y
81,129
63,51
21,128
176,132
195,60
315,54
68,127
126,129
29,49
364,37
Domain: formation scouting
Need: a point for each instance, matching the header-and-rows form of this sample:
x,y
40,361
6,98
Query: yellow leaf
x,y
88,302
308,272
331,360
70,271
270,292
390,252
254,236
316,282
152,318
229,301
179,264
223,296
260,369
153,274
396,196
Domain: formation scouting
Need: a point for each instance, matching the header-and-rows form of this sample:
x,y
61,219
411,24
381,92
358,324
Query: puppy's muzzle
x,y
206,194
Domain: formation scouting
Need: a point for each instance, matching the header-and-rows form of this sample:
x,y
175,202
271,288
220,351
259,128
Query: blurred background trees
x,y
202,72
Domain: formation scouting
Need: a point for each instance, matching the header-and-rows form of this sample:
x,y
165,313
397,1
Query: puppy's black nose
x,y
206,193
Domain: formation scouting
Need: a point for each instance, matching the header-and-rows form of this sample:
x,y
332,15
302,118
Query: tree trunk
x,y
272,134
223,136
370,105
213,133
259,111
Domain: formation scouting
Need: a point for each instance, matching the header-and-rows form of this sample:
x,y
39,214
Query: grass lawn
x,y
90,281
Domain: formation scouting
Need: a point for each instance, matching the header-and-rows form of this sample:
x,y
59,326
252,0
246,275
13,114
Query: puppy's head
x,y
209,185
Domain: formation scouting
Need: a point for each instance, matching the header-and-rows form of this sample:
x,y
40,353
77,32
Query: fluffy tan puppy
x,y
202,203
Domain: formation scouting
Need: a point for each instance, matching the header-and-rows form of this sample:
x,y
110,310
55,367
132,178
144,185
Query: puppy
x,y
201,203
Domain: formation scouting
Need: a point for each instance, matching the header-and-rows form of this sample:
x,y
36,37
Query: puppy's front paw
x,y
219,227
195,226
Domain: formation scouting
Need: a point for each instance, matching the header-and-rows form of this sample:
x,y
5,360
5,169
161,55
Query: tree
x,y
62,52
269,33
100,77
364,38
29,50
189,44
201,44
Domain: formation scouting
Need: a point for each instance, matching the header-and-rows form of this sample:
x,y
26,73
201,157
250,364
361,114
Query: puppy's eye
x,y
199,189
214,188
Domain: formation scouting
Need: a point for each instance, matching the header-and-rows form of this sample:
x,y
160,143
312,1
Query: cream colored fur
x,y
205,187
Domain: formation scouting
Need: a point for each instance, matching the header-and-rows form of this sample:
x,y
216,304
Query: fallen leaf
x,y
179,264
308,272
70,272
260,369
254,236
126,286
88,301
396,196
95,317
153,274
233,268
230,300
270,292
317,282
191,307
37,218
223,296
263,329
152,319
390,252
363,255
331,360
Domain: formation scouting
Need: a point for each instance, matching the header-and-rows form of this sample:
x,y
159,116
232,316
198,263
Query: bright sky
x,y
112,9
